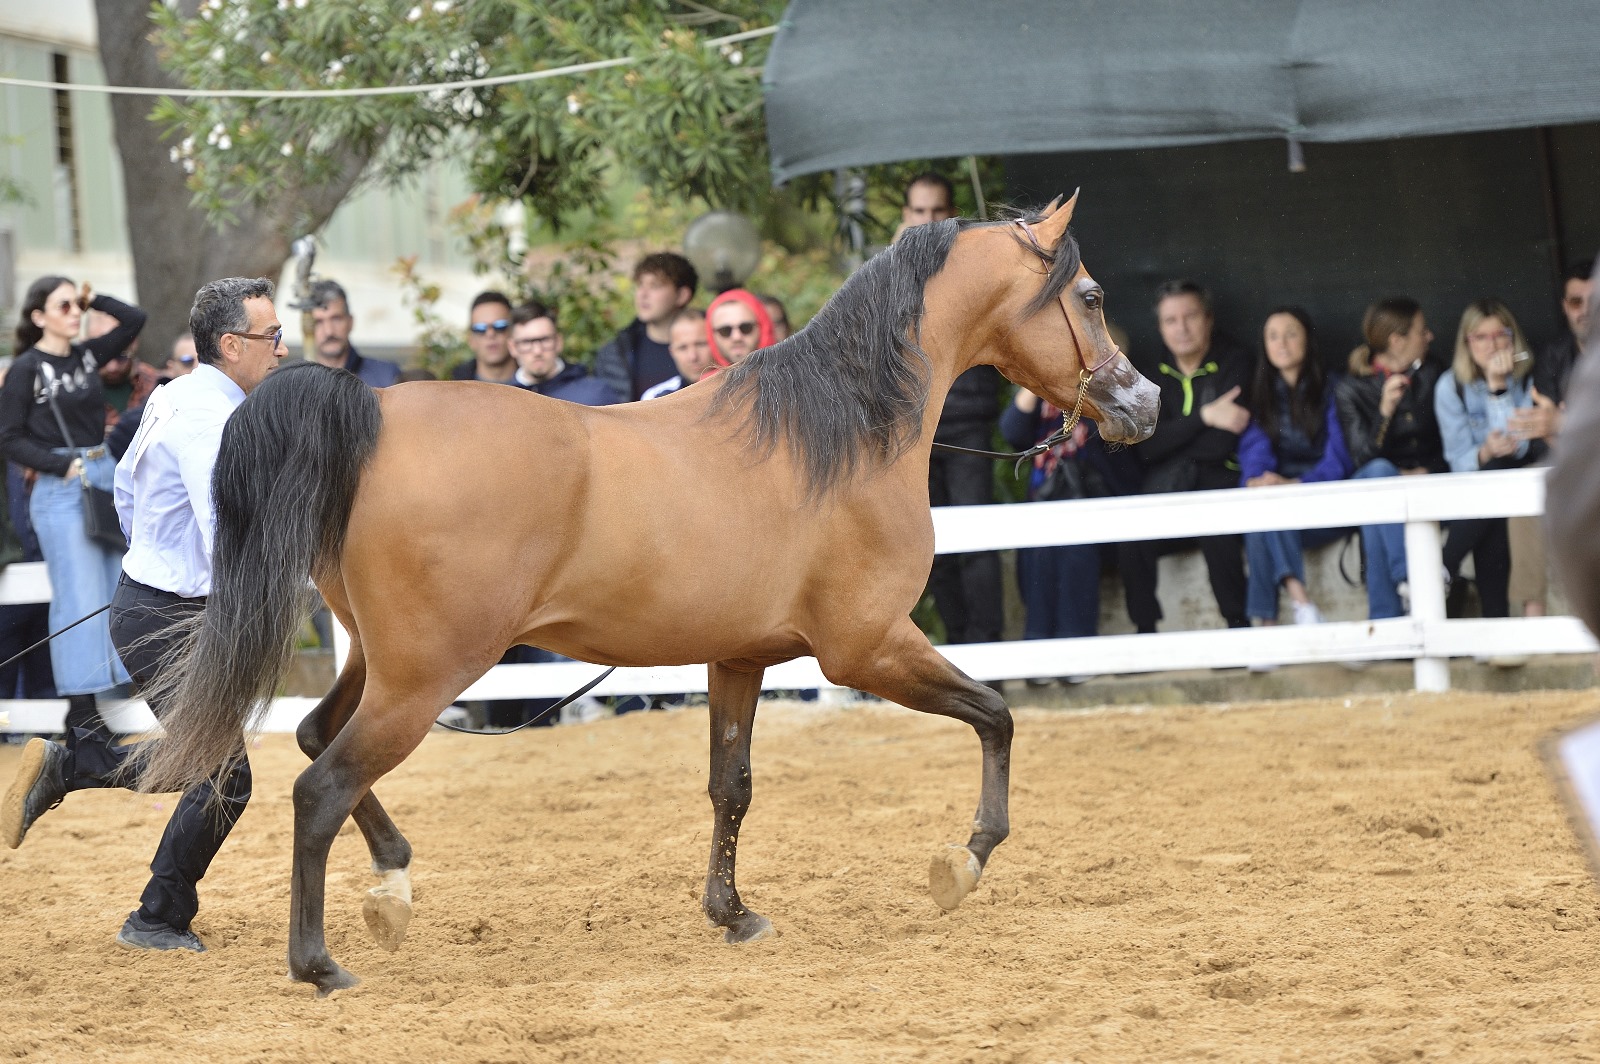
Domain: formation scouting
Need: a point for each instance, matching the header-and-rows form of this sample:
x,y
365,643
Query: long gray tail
x,y
292,456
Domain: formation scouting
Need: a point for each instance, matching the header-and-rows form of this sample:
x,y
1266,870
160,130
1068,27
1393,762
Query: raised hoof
x,y
387,917
952,875
751,927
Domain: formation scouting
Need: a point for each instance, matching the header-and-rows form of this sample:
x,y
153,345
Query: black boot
x,y
38,787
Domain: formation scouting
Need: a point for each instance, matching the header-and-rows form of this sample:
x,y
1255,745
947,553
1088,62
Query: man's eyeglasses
x,y
500,325
275,337
184,360
528,343
1573,301
743,328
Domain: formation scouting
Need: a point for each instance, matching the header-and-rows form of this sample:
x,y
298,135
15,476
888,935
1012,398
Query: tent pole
x,y
1552,206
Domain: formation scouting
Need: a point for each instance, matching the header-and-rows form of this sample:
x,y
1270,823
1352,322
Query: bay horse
x,y
775,510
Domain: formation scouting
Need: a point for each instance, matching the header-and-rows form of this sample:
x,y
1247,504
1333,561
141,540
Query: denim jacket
x,y
1467,413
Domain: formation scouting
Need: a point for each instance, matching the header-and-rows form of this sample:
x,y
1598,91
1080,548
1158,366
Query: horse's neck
x,y
957,326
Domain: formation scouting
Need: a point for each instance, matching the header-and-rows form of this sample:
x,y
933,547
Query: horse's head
x,y
1060,348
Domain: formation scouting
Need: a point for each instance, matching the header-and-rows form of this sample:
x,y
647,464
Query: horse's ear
x,y
1054,224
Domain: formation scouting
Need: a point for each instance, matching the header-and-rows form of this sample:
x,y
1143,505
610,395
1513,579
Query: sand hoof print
x,y
952,875
387,917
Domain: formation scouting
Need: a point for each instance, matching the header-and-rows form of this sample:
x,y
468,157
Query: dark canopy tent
x,y
1432,165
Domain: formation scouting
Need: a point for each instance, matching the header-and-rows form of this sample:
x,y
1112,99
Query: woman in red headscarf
x,y
737,323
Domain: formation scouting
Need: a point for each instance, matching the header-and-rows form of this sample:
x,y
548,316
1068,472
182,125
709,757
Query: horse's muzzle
x,y
1126,401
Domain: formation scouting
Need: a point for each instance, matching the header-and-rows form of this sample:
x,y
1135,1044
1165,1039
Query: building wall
x,y
358,247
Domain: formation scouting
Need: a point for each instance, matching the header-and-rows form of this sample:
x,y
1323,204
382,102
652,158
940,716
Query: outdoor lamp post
x,y
724,248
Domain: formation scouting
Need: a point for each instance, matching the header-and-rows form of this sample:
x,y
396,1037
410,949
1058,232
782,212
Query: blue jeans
x,y
83,577
1060,591
1385,546
1274,557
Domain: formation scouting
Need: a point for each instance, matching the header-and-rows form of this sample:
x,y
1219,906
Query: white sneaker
x,y
1307,613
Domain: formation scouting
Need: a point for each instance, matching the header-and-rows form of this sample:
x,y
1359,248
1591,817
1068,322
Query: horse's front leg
x,y
733,711
908,671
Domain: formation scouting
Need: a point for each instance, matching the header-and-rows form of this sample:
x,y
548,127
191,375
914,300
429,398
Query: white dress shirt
x,y
163,485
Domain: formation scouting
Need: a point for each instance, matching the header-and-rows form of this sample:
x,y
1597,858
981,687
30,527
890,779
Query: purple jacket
x,y
1256,455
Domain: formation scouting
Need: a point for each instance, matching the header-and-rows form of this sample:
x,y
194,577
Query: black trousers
x,y
140,617
1485,538
966,587
1224,564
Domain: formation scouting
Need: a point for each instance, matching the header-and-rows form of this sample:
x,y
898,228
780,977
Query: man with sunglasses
x,y
182,360
489,337
163,494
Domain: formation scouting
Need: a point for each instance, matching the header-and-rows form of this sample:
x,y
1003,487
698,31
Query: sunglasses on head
x,y
499,325
744,328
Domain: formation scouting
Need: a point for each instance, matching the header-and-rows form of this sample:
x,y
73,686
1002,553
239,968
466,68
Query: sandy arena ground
x,y
1384,880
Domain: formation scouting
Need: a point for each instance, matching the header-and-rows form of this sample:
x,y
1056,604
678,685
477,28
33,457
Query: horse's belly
x,y
667,645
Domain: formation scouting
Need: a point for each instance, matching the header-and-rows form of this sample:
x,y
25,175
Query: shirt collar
x,y
213,379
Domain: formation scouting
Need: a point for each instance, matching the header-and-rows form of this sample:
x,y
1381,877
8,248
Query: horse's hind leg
x,y
386,727
387,907
733,696
907,670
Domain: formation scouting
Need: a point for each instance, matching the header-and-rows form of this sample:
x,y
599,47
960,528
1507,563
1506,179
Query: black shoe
x,y
40,785
160,936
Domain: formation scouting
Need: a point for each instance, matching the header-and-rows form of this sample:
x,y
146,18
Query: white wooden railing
x,y
1425,637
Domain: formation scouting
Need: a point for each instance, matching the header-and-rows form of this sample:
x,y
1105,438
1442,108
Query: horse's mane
x,y
849,390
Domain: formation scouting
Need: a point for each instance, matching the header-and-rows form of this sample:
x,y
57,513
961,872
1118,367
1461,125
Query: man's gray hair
x,y
219,308
325,291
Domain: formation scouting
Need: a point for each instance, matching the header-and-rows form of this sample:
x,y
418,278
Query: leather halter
x,y
1086,373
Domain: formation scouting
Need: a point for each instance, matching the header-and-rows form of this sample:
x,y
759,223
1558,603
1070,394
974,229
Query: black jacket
x,y
1554,367
1408,439
1179,430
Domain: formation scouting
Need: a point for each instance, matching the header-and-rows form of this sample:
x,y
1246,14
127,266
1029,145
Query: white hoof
x,y
952,875
387,909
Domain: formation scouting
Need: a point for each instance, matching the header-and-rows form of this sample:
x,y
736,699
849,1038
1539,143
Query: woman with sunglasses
x,y
52,364
737,323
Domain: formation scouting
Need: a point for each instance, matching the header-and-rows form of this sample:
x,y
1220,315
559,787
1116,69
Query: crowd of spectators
x,y
1232,414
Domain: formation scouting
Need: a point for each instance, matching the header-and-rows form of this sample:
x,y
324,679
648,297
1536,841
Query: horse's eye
x,y
1092,300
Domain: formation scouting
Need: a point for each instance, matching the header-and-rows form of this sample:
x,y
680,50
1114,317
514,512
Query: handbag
x,y
100,521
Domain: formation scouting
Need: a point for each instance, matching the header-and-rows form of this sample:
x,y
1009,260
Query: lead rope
x,y
537,717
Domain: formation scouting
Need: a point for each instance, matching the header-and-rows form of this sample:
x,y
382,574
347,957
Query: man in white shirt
x,y
163,493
